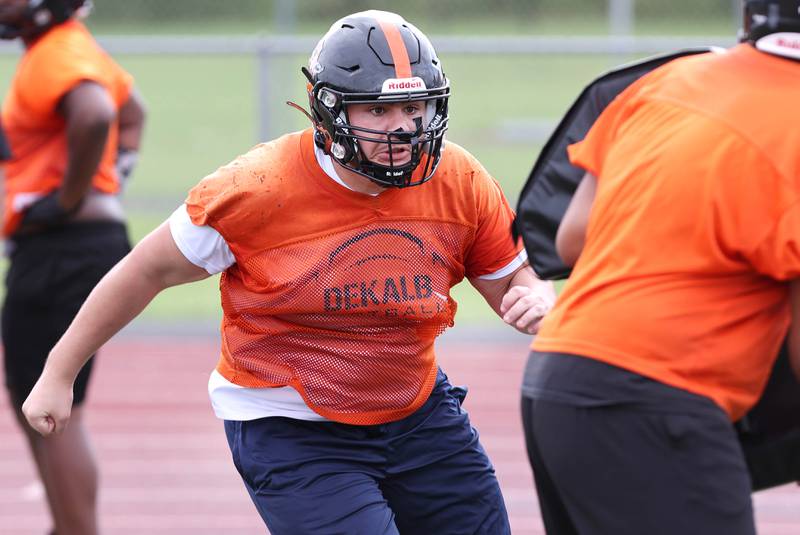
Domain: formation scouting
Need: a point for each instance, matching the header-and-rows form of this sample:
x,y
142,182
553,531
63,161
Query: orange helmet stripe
x,y
402,65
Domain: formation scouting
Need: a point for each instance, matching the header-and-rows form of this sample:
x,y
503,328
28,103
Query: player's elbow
x,y
571,233
569,243
133,112
98,118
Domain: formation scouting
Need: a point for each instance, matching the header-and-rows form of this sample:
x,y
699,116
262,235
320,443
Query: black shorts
x,y
50,276
624,471
614,452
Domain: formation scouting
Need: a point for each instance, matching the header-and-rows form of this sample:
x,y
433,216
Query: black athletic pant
x,y
50,276
627,470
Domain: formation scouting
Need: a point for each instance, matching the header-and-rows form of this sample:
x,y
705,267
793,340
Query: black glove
x,y
5,149
46,212
126,161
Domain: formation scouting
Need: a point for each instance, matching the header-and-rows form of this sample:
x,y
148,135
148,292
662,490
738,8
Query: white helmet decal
x,y
786,44
401,85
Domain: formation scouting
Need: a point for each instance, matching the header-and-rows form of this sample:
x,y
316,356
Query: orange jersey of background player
x,y
53,65
683,279
341,294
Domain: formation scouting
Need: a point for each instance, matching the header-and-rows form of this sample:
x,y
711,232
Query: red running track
x,y
165,465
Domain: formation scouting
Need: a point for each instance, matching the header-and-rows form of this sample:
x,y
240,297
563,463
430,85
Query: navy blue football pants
x,y
424,474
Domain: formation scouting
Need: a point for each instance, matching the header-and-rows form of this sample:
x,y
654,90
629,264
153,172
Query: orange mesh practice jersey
x,y
50,68
694,228
341,294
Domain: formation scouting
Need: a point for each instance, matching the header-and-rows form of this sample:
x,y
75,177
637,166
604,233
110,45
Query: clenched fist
x,y
523,307
49,405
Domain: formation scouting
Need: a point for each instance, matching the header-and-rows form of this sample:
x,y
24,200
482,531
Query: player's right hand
x,y
523,307
47,408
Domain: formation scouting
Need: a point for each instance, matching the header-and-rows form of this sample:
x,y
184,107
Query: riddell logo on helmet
x,y
785,44
789,43
397,85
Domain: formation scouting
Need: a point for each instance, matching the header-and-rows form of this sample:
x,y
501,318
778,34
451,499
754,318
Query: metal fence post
x,y
285,16
620,17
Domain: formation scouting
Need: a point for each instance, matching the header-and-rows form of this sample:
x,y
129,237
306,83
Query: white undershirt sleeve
x,y
509,268
203,246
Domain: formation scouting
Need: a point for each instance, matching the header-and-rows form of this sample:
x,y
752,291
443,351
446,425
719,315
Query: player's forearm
x,y
86,141
525,301
496,291
154,264
88,112
119,297
571,234
527,277
131,120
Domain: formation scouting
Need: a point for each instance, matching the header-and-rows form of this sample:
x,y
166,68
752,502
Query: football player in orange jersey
x,y
686,251
69,111
338,246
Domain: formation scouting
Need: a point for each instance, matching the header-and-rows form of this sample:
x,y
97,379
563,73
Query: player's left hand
x,y
523,307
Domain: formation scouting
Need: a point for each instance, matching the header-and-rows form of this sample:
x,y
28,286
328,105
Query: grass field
x,y
202,113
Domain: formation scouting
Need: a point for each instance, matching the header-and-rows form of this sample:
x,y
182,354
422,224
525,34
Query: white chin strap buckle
x,y
337,150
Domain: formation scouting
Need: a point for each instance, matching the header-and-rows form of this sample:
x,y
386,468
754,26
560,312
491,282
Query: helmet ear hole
x,y
322,140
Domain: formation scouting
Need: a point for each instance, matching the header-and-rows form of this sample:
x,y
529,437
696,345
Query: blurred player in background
x,y
686,232
5,150
338,247
73,123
